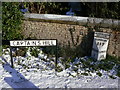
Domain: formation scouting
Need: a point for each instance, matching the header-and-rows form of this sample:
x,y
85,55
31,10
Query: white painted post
x,y
100,45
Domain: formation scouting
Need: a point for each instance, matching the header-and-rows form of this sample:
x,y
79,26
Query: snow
x,y
34,72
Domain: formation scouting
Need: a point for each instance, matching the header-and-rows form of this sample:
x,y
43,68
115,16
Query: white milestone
x,y
100,45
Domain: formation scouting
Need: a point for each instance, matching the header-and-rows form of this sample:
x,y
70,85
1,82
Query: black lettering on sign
x,y
21,43
17,43
97,43
33,43
52,43
102,44
14,43
28,43
46,43
39,43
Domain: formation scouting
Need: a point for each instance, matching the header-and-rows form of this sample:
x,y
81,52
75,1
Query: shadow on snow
x,y
17,80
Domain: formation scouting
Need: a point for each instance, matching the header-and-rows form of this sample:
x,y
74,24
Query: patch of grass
x,y
21,52
118,71
112,59
59,69
34,51
75,69
19,62
66,62
86,74
106,64
111,76
49,50
67,66
77,64
99,74
5,46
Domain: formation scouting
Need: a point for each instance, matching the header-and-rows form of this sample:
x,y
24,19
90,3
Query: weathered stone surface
x,y
75,35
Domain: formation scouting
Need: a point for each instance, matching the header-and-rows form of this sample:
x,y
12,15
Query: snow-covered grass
x,y
39,71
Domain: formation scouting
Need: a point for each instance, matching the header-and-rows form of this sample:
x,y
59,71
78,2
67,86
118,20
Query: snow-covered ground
x,y
32,72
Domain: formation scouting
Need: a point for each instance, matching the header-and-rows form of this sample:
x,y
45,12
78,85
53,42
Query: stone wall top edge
x,y
59,0
78,19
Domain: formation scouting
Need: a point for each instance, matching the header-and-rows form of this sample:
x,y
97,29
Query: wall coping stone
x,y
76,19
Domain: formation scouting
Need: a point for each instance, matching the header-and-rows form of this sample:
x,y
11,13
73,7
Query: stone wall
x,y
69,33
114,44
61,32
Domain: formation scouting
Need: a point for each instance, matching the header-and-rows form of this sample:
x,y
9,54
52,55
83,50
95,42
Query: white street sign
x,y
33,43
20,43
100,45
